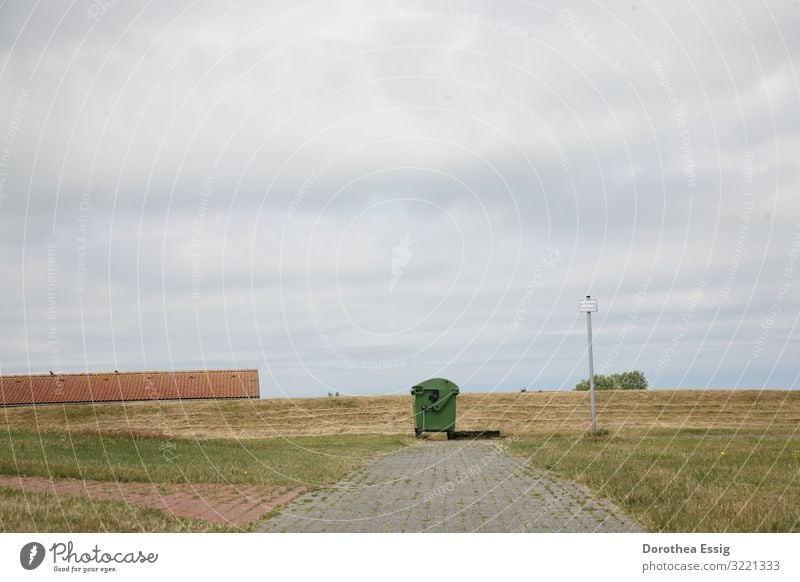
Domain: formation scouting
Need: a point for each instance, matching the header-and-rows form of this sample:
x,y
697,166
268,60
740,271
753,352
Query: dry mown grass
x,y
512,413
676,460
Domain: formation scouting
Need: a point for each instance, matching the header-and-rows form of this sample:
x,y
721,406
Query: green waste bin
x,y
435,406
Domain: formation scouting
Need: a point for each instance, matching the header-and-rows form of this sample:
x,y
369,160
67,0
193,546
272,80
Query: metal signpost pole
x,y
591,370
588,306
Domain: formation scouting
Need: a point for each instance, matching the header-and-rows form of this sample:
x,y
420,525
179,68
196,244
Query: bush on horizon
x,y
633,380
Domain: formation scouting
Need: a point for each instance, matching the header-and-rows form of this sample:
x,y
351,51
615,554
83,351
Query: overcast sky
x,y
356,196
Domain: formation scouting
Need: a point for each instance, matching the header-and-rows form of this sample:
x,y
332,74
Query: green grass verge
x,y
309,461
45,512
683,481
279,463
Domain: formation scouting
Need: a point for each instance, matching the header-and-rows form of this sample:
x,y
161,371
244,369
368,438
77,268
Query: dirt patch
x,y
236,505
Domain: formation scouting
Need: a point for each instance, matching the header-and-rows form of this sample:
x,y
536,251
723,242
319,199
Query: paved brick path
x,y
450,487
228,504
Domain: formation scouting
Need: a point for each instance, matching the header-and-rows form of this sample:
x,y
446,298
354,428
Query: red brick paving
x,y
227,504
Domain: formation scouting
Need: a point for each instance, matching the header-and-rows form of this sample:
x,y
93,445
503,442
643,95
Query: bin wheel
x,y
451,434
417,432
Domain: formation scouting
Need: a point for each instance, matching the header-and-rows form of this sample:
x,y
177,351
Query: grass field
x,y
44,512
512,413
675,460
279,464
302,461
684,480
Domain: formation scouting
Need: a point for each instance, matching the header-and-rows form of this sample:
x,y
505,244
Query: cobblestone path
x,y
446,486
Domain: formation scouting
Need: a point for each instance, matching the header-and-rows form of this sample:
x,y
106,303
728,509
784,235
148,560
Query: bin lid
x,y
441,384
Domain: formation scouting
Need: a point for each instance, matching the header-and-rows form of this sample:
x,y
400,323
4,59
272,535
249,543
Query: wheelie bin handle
x,y
439,403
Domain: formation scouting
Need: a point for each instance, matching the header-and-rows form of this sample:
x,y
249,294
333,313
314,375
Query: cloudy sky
x,y
356,196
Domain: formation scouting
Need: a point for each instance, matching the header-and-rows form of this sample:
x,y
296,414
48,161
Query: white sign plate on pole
x,y
587,305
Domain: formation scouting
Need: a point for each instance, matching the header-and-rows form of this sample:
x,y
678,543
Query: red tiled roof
x,y
51,389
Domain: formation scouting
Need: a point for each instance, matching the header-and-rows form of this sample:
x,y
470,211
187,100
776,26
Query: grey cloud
x,y
245,162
